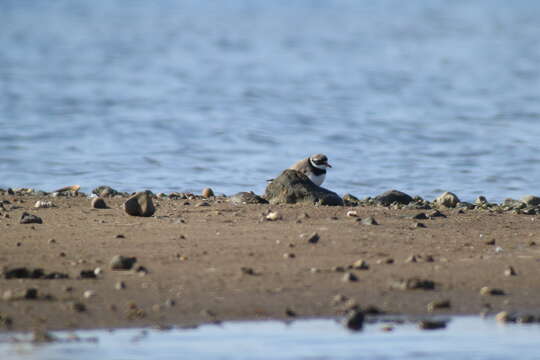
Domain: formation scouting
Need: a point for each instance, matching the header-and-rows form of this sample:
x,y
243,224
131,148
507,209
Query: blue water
x,y
422,96
464,338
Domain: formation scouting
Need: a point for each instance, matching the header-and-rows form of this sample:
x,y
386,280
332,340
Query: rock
x,y
105,191
313,238
72,188
436,305
120,285
352,213
509,271
431,324
481,200
510,204
354,320
89,293
87,274
360,265
247,271
120,262
436,213
289,255
349,277
207,192
273,216
98,203
447,199
290,313
411,259
42,204
370,220
77,306
412,284
486,290
393,196
293,187
350,200
140,204
27,218
531,200
30,294
246,198
202,204
420,216
503,317
418,225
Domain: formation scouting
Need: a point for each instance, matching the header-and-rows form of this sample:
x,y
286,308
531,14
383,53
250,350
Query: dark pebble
x,y
354,320
120,262
99,203
87,274
431,325
370,220
27,218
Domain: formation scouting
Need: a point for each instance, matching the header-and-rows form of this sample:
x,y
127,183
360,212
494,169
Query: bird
x,y
314,167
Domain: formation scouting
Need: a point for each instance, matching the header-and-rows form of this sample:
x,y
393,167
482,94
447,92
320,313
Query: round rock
x,y
447,199
140,204
98,203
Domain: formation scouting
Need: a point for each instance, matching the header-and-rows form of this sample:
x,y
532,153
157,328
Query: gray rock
x,y
140,204
207,192
105,191
514,204
293,187
27,218
247,198
99,203
370,220
354,320
120,262
531,200
393,196
350,200
432,324
447,199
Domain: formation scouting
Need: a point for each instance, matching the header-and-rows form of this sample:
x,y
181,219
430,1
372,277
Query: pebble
x,y
98,271
140,204
411,259
490,242
27,218
436,213
352,213
418,225
510,271
481,200
439,304
89,293
202,204
447,199
486,290
360,265
98,203
349,277
120,262
120,285
87,274
247,270
77,306
207,192
72,188
420,216
289,255
42,204
51,241
431,324
531,200
273,216
370,220
312,238
290,313
354,320
413,284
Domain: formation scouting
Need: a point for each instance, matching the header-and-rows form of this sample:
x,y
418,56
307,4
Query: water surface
x,y
422,96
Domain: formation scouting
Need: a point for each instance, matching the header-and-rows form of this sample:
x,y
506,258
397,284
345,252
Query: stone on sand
x,y
140,204
447,199
393,196
292,187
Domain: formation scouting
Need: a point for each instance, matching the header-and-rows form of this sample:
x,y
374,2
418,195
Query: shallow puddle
x,y
463,338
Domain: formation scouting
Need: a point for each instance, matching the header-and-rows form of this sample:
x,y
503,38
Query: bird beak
x,y
328,165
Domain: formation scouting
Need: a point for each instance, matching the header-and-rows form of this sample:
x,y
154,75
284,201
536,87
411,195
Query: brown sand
x,y
194,256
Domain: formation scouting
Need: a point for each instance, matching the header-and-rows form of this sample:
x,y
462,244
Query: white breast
x,y
317,179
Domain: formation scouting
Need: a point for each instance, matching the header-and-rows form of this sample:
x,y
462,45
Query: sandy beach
x,y
204,260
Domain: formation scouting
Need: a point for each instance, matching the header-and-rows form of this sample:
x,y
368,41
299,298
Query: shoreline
x,y
204,260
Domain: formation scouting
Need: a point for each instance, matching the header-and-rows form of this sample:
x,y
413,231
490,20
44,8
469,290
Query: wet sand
x,y
225,262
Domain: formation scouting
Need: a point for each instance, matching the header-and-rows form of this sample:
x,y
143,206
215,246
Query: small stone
x,y
98,203
247,198
98,271
360,265
531,200
87,274
313,238
27,218
42,204
289,256
8,295
420,216
436,213
207,192
247,270
51,241
349,277
481,200
338,269
447,199
202,204
170,303
89,293
431,324
411,259
418,225
393,196
77,306
105,191
370,220
354,320
413,284
273,216
120,285
509,271
490,242
491,291
140,204
30,294
503,317
120,262
352,213
290,312
436,305
72,188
